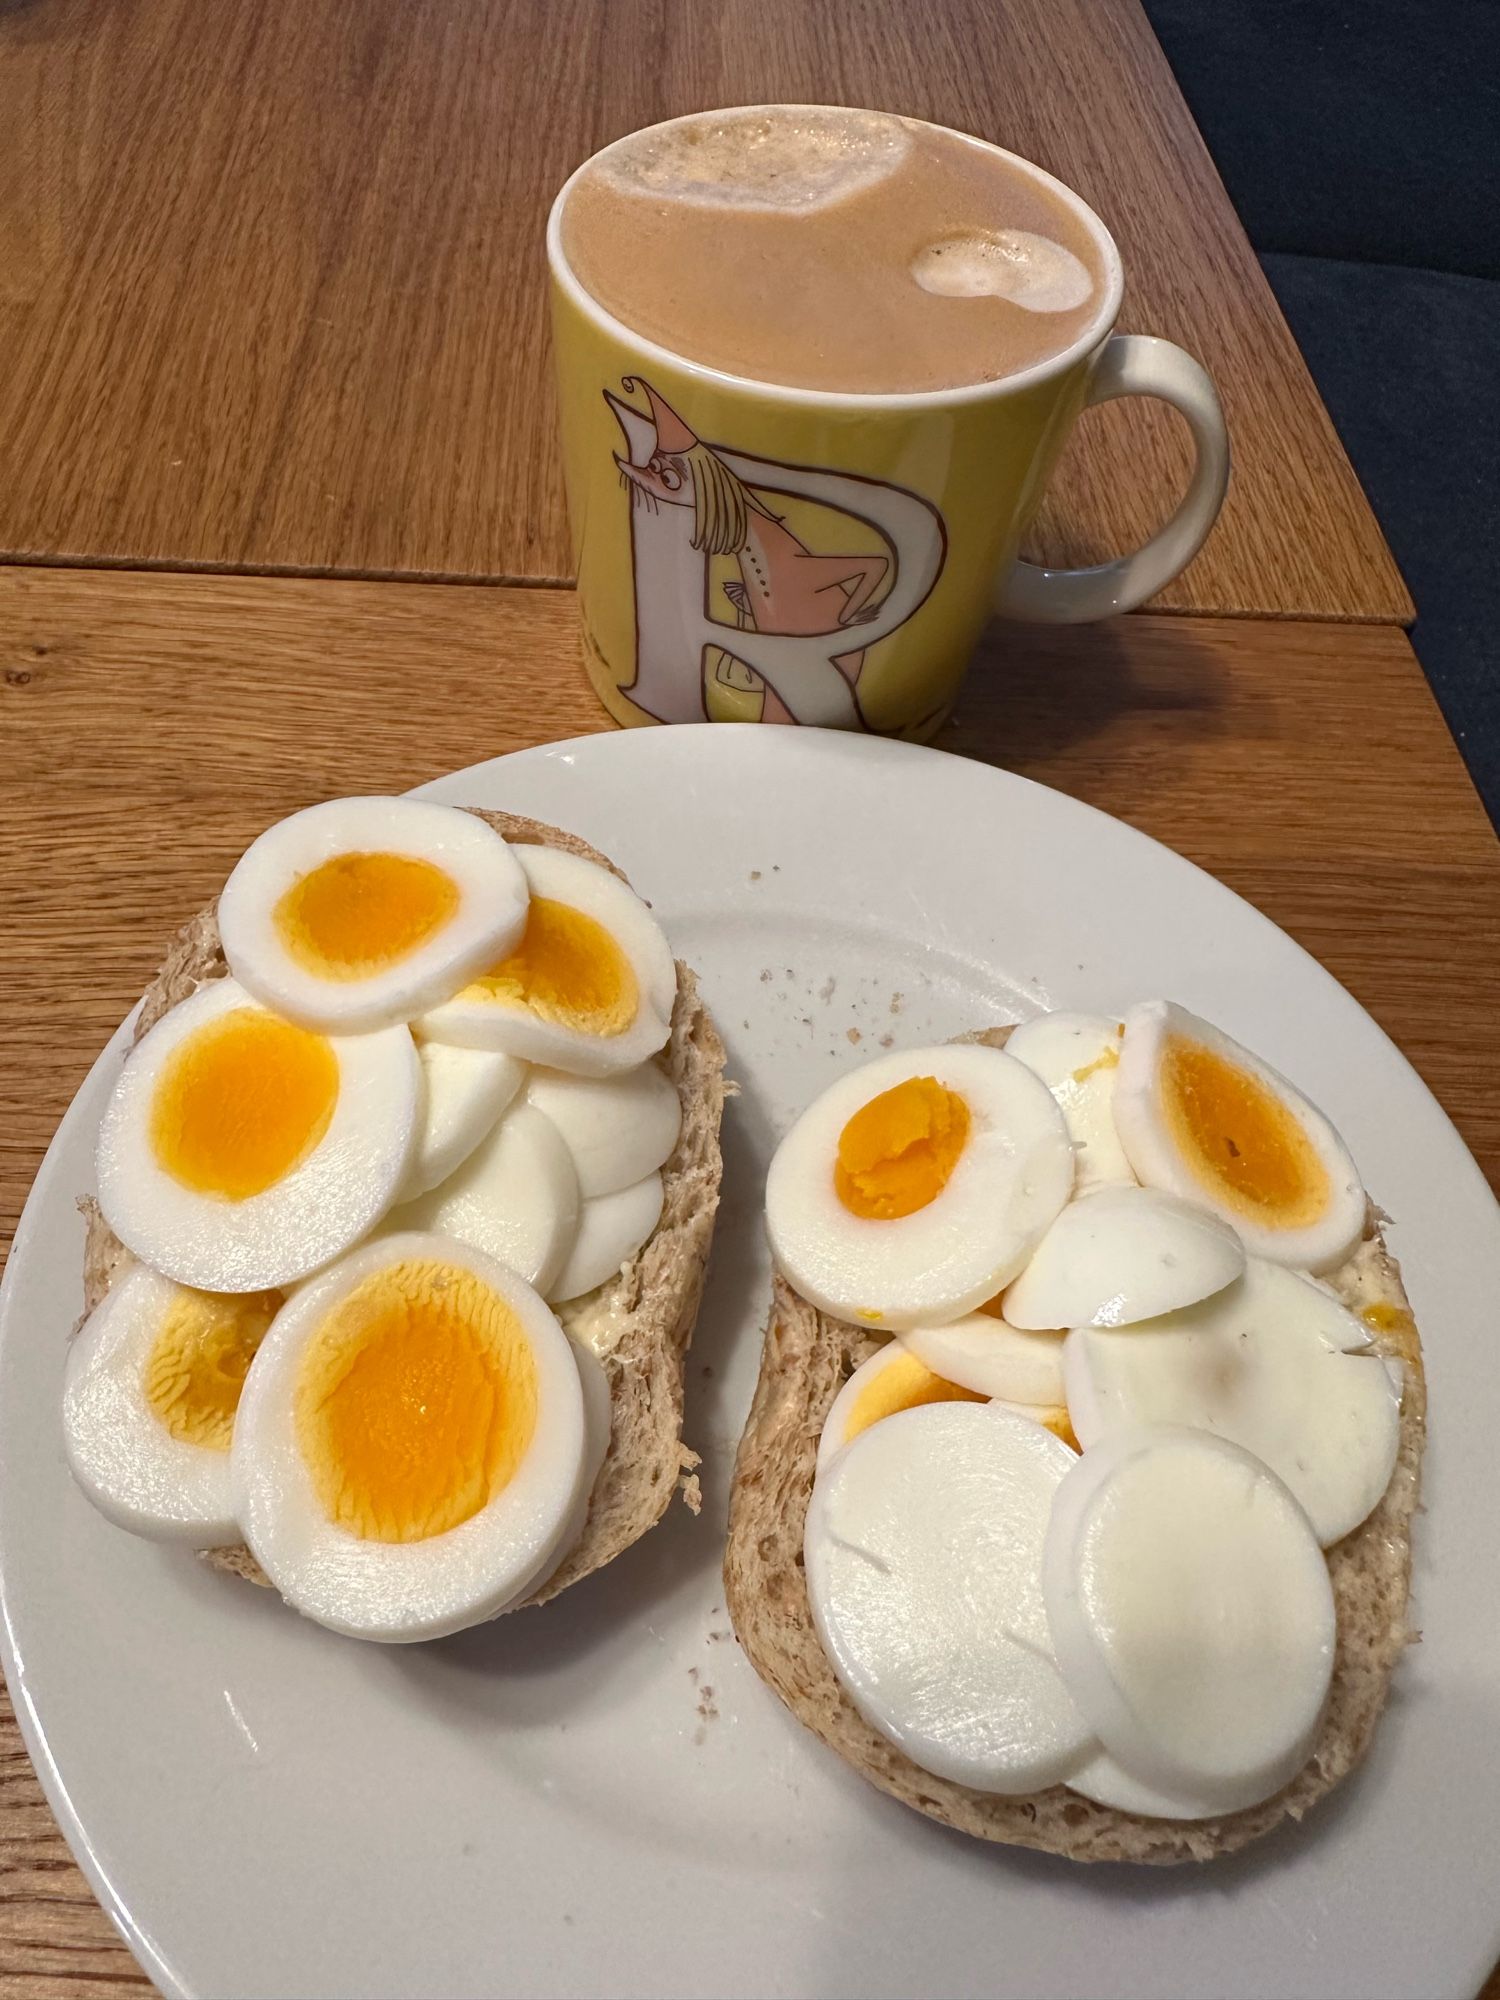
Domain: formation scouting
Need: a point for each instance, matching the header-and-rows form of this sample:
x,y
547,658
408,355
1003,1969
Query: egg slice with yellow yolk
x,y
359,913
240,1152
891,1379
153,1383
915,1187
1203,1118
589,985
411,1443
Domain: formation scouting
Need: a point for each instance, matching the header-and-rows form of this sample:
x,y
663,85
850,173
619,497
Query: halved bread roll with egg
x,y
547,1229
920,1563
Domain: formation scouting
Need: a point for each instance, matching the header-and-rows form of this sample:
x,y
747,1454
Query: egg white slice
x,y
361,1390
618,1128
1077,1056
1121,1255
358,913
1105,1780
515,1197
611,1228
589,987
923,1556
1010,1177
221,1094
1204,1118
1171,1545
596,1434
465,1092
1273,1362
986,1354
888,1380
148,1405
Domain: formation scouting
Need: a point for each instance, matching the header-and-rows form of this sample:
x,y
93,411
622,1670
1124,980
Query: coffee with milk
x,y
821,248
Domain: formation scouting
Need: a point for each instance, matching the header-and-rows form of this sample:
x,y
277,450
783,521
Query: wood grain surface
x,y
153,724
271,275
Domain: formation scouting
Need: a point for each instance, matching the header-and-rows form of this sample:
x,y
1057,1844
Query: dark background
x,y
1360,144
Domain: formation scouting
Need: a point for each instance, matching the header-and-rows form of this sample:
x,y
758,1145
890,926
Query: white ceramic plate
x,y
601,1798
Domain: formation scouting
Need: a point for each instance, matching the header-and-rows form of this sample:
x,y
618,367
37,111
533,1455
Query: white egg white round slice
x,y
358,913
1076,1056
1121,1255
1273,1362
465,1091
1105,1780
1203,1118
588,987
152,1384
611,1228
515,1197
915,1187
891,1379
240,1152
1191,1613
618,1128
411,1441
923,1553
986,1354
596,1435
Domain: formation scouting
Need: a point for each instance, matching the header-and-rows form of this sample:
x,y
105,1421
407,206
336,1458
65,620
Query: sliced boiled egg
x,y
1105,1780
611,1228
515,1197
991,1357
465,1091
890,1380
618,1128
358,913
1273,1362
1077,1057
1051,1416
597,1423
589,986
1190,1610
1204,1118
923,1555
1123,1254
411,1441
149,1398
240,1152
917,1186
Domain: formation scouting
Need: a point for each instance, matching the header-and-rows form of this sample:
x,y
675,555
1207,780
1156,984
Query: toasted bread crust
x,y
806,1359
655,1297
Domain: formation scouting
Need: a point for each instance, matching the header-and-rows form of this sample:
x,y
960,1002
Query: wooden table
x,y
270,274
154,724
270,302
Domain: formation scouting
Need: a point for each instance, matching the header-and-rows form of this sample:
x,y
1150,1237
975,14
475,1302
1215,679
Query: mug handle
x,y
1136,364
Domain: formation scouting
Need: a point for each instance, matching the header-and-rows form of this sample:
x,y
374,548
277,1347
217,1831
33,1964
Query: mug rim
x,y
1093,335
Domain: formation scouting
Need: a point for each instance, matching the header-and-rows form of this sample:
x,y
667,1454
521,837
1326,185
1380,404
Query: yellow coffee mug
x,y
689,490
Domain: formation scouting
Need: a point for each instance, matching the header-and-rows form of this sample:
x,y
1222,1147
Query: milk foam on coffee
x,y
833,249
1033,271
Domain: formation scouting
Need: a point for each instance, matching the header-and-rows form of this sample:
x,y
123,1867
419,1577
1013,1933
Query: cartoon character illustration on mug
x,y
761,589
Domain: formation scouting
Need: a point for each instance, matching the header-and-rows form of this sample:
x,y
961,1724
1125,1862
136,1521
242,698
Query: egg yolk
x,y
1107,1058
241,1102
357,914
1239,1138
897,1153
416,1401
903,1384
197,1365
567,969
1383,1318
